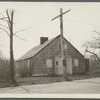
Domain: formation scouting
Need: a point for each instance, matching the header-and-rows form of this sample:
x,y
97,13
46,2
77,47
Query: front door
x,y
69,66
58,66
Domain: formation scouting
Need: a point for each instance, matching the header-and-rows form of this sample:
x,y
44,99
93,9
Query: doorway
x,y
69,66
58,66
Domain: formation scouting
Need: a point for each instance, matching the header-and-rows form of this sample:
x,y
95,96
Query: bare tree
x,y
9,30
94,45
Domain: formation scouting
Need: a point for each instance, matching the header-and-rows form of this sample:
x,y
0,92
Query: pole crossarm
x,y
61,14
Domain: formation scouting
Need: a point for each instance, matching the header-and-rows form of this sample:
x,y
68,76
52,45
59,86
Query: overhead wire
x,y
34,12
49,15
73,20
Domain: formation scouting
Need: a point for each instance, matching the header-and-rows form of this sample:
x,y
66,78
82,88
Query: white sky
x,y
78,23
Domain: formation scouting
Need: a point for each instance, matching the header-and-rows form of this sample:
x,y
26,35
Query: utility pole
x,y
61,32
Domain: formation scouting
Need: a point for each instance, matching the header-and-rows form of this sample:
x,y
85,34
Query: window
x,y
49,63
25,63
56,62
65,46
28,63
64,62
75,62
22,63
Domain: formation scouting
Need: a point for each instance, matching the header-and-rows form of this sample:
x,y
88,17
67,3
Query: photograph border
x,y
50,96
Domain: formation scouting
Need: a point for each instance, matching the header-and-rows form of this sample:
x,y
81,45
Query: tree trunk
x,y
12,62
12,74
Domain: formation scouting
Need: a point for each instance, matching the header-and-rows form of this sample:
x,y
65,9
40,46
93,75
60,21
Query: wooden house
x,y
46,59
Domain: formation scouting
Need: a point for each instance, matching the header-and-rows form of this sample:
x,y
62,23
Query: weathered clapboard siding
x,y
49,52
74,53
37,63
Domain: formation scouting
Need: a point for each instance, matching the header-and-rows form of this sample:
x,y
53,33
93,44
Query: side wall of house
x,y
74,54
23,68
53,49
48,53
37,65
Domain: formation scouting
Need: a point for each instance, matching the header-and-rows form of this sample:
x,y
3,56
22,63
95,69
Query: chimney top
x,y
43,39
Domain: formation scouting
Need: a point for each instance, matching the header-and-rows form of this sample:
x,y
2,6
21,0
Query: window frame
x,y
28,63
75,64
49,62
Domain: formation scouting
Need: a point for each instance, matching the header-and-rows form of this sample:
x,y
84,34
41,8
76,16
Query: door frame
x,y
59,71
69,68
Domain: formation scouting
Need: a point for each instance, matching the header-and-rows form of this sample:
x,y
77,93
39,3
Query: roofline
x,y
40,50
73,47
47,45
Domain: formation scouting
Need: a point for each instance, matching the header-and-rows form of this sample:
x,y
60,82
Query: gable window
x,y
49,63
75,63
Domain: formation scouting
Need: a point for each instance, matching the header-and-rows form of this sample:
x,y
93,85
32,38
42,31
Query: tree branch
x,y
21,30
8,15
97,32
3,19
9,20
19,37
1,14
3,26
93,54
5,31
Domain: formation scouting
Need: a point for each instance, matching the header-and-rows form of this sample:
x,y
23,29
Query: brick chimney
x,y
43,39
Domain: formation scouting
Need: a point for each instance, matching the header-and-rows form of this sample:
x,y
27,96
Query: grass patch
x,y
39,80
84,76
46,79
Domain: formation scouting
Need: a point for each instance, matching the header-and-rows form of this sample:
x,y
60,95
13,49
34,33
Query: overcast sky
x,y
36,17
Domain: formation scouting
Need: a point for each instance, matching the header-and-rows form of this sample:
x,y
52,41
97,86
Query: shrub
x,y
4,69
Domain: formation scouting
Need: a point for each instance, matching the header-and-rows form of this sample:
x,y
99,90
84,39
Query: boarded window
x,y
49,63
65,46
75,62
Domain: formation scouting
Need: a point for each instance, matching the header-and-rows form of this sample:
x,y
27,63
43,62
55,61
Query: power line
x,y
81,22
31,12
49,15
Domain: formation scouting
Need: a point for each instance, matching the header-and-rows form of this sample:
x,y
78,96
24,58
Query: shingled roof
x,y
35,50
